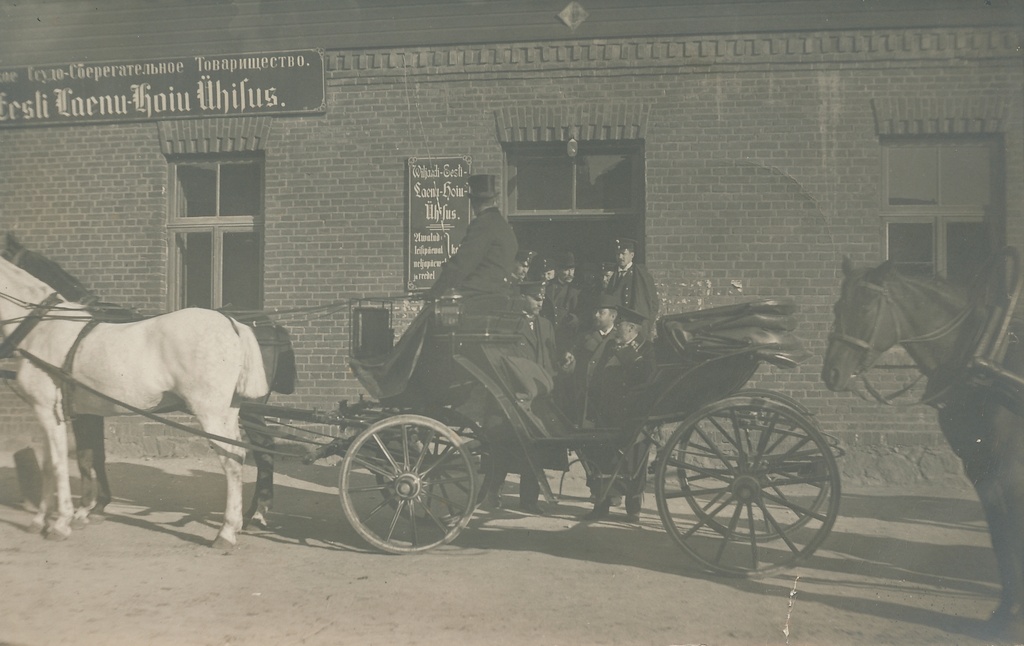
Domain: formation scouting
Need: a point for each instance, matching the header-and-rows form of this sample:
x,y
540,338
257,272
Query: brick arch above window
x,y
229,135
909,116
606,122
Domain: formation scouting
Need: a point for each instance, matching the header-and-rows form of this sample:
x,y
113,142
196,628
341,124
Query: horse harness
x,y
982,362
31,320
871,353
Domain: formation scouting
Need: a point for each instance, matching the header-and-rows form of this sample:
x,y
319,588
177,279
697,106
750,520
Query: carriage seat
x,y
766,325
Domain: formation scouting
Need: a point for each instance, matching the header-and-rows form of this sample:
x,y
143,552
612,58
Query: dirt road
x,y
901,567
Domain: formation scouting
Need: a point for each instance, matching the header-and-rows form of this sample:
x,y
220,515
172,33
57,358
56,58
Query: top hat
x,y
629,316
623,243
565,260
483,186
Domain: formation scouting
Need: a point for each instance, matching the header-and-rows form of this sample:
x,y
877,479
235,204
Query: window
x,y
579,203
216,216
942,207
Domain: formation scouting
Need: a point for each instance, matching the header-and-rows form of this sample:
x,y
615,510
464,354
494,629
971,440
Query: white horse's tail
x,y
252,378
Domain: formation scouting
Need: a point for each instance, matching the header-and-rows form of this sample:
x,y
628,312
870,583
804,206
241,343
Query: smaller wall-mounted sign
x,y
225,85
437,217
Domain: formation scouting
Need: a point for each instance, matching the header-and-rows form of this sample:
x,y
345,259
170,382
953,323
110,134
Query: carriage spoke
x,y
386,452
712,446
753,535
394,520
369,488
687,493
706,521
740,431
766,433
709,472
778,529
447,455
803,511
721,430
728,533
382,505
405,446
373,467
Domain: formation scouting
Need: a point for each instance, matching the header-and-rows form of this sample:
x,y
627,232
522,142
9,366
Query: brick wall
x,y
763,169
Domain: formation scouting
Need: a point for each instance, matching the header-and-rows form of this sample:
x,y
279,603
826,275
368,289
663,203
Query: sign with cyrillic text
x,y
230,85
438,215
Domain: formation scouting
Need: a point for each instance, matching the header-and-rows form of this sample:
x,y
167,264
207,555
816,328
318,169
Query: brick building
x,y
749,146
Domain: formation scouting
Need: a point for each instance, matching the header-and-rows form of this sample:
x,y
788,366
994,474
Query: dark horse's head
x,y
47,271
864,325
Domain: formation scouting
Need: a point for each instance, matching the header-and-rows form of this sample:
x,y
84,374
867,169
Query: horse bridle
x,y
867,347
871,353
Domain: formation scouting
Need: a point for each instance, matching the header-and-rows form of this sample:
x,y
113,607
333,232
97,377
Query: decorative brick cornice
x,y
609,122
241,134
916,116
830,47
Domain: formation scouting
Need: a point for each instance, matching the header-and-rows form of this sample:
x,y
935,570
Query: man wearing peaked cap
x,y
485,260
633,285
614,395
523,259
630,316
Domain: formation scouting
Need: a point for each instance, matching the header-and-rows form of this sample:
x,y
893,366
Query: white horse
x,y
197,357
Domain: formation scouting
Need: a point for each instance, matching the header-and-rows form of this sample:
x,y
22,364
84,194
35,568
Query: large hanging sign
x,y
229,85
438,215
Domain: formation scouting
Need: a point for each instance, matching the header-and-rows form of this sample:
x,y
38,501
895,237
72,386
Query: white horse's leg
x,y
46,493
55,475
231,459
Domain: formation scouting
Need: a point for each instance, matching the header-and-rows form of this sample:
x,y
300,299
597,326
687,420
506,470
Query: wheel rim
x,y
748,485
408,484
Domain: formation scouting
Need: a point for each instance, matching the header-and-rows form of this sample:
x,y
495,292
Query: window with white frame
x,y
216,218
942,207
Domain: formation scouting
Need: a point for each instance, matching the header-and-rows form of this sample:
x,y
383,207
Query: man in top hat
x,y
563,300
581,359
633,285
620,374
485,260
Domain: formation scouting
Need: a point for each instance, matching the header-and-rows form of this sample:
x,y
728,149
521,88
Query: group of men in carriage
x,y
593,342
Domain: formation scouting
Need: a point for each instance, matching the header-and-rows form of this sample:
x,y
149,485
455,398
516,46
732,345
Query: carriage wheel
x,y
747,485
408,483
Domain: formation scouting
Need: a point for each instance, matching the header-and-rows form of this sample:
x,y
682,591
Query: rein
x,y
10,343
63,377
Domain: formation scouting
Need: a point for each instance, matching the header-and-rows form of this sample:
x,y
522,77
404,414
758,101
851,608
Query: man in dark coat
x,y
480,271
589,347
482,266
634,286
539,349
620,375
563,296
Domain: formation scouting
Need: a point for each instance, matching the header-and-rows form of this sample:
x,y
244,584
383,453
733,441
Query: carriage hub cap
x,y
746,488
407,485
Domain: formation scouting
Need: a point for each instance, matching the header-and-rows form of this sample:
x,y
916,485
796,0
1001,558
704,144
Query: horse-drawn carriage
x,y
745,481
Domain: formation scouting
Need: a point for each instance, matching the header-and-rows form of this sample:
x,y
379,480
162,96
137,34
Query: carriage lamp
x,y
571,147
448,309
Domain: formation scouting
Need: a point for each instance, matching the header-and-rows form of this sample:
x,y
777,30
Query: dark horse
x,y
278,363
968,345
